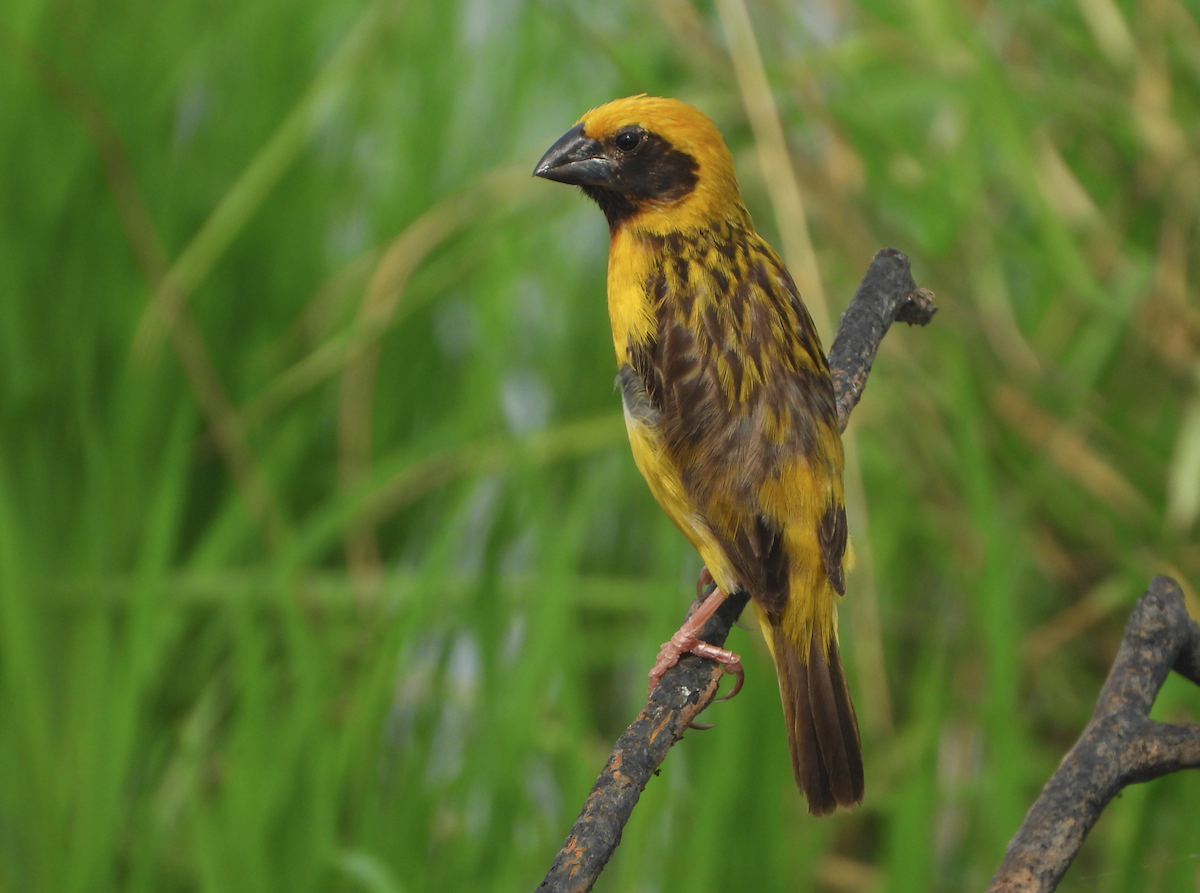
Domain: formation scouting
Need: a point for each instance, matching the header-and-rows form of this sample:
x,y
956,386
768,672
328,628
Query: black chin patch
x,y
655,172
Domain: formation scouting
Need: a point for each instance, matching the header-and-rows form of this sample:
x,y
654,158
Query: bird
x,y
729,406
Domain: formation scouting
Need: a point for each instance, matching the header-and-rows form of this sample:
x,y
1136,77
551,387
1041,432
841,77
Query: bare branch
x,y
887,294
1120,746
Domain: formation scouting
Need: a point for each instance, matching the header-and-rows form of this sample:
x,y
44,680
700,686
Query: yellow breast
x,y
631,261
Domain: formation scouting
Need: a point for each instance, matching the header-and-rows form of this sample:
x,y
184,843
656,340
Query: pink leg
x,y
702,583
686,640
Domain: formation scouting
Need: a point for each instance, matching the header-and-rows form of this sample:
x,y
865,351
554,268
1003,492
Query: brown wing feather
x,y
832,537
727,365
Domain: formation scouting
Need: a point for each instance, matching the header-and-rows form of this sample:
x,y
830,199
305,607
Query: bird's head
x,y
658,165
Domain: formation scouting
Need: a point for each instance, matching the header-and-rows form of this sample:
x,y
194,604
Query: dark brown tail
x,y
821,726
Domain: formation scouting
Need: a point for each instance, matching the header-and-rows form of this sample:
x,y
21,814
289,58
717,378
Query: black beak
x,y
577,160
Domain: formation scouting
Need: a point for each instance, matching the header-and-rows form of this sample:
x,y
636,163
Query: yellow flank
x,y
666,487
800,495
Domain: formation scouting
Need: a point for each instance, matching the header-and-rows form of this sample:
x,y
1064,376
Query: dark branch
x,y
887,293
1120,746
685,690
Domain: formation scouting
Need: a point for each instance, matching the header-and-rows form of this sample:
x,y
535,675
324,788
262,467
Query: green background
x,y
323,561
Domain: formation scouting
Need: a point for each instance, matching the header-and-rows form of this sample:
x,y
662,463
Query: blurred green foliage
x,y
323,562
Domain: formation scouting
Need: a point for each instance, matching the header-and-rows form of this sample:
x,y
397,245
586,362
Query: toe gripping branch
x,y
686,640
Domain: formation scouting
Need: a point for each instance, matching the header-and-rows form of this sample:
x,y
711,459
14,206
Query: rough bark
x,y
1120,746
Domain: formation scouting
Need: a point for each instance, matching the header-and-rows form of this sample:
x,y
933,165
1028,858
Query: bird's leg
x,y
687,641
704,585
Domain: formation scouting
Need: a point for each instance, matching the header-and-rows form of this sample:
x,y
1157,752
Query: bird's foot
x,y
687,641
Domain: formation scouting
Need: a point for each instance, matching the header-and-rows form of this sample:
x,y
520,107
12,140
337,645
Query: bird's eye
x,y
628,140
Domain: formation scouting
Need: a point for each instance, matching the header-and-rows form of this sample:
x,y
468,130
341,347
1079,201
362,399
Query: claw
x,y
701,728
741,679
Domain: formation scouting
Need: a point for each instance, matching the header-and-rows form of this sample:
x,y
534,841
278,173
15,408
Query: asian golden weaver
x,y
728,402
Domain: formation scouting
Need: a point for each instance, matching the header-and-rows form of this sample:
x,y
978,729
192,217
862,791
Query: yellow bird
x,y
729,405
